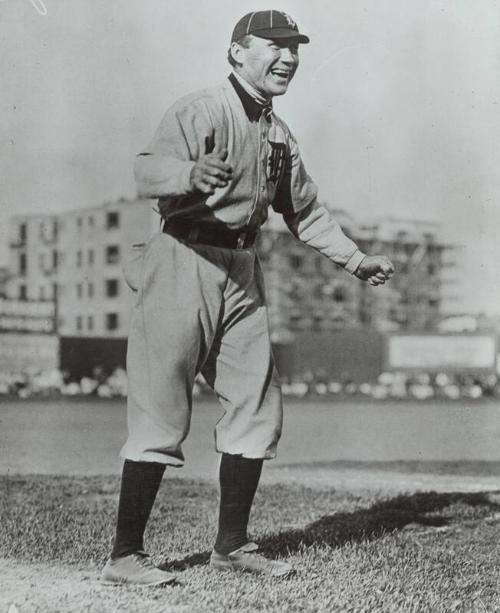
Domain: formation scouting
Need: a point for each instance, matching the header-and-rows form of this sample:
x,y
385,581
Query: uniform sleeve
x,y
163,169
310,221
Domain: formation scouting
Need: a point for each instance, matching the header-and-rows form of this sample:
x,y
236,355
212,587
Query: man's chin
x,y
279,90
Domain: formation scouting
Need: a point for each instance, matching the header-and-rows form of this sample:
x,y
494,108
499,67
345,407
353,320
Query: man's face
x,y
268,65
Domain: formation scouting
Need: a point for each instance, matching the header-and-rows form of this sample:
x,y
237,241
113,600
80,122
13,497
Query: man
x,y
219,158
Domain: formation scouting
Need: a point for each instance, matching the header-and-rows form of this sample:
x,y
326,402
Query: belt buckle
x,y
241,240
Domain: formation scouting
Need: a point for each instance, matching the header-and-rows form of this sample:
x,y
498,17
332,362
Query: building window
x,y
41,261
78,258
54,259
23,232
79,223
91,222
91,257
111,321
90,323
319,292
339,294
42,293
112,254
112,220
22,264
79,291
23,294
320,264
317,323
112,288
55,291
90,289
79,323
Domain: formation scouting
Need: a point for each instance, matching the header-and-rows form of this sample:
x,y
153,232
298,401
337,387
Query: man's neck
x,y
251,91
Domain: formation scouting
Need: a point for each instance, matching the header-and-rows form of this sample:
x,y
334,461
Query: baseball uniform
x,y
201,307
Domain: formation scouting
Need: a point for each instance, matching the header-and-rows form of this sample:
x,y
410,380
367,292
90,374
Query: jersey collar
x,y
253,108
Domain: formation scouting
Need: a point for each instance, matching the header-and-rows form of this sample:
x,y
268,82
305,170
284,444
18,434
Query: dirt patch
x,y
37,588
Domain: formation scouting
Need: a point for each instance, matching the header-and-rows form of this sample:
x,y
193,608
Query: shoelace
x,y
144,561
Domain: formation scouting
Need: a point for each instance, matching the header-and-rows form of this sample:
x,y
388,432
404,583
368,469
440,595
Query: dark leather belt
x,y
215,235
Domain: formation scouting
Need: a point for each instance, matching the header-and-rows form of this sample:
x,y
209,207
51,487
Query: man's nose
x,y
287,55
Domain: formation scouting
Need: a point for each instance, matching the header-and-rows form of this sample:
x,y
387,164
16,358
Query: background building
x,y
307,293
75,259
33,261
94,300
4,275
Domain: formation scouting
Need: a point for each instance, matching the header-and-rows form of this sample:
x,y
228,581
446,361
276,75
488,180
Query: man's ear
x,y
237,52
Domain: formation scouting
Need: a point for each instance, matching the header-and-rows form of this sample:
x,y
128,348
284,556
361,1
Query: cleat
x,y
135,569
246,559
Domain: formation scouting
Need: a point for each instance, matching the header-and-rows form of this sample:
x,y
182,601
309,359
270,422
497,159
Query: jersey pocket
x,y
132,265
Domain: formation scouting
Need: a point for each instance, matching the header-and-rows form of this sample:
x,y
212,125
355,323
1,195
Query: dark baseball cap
x,y
268,24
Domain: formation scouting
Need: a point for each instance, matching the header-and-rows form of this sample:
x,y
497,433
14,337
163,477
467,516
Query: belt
x,y
215,235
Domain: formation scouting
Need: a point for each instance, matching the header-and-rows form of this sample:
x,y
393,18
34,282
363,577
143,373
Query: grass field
x,y
341,503
419,552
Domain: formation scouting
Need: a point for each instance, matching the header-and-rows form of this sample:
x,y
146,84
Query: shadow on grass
x,y
363,524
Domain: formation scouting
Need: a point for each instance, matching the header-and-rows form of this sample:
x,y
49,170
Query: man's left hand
x,y
376,269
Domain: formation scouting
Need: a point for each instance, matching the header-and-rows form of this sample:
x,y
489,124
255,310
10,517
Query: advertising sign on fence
x,y
28,316
442,352
20,353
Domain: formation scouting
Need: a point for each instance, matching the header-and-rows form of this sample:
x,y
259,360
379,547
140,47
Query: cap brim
x,y
282,34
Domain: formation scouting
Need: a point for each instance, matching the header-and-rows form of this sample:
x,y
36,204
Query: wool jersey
x,y
266,163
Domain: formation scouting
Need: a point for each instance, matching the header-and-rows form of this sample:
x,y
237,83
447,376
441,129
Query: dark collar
x,y
252,108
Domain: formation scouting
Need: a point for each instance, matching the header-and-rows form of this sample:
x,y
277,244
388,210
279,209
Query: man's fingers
x,y
215,171
212,161
214,181
220,151
205,188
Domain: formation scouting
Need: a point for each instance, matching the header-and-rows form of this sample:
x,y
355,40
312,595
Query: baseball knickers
x,y
200,308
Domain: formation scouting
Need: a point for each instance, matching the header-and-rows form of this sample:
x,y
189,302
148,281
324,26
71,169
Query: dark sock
x,y
239,478
139,486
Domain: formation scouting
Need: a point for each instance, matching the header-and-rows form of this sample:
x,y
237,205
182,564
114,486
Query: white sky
x,y
396,106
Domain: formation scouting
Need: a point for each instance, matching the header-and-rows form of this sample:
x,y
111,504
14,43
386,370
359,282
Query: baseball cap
x,y
268,24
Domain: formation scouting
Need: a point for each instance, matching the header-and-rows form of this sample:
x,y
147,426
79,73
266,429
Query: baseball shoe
x,y
245,558
135,569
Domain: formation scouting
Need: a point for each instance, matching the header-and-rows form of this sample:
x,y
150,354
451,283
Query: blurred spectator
x,y
388,385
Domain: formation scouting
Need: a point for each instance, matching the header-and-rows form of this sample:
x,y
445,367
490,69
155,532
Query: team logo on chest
x,y
276,161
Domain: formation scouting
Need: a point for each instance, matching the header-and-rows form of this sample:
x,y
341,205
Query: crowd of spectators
x,y
395,385
400,385
56,382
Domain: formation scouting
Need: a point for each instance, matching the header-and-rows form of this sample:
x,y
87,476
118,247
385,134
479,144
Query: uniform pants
x,y
200,308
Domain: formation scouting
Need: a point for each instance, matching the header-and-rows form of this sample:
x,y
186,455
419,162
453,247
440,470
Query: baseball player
x,y
219,159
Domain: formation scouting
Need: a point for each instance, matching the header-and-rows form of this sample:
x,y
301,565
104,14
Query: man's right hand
x,y
211,171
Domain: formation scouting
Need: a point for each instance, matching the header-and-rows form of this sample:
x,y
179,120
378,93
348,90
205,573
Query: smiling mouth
x,y
281,74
